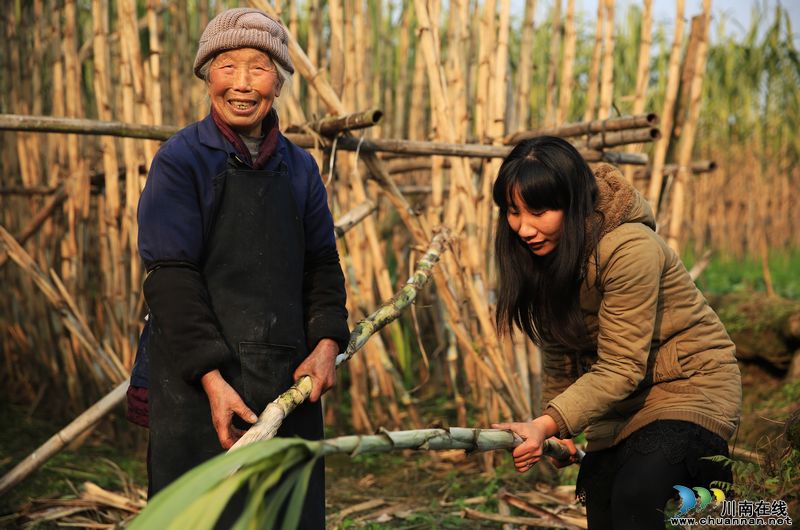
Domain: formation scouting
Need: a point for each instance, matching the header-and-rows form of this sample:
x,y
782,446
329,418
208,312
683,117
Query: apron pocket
x,y
266,372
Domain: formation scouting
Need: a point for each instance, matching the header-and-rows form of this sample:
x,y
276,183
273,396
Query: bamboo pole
x,y
565,89
621,137
273,415
607,78
697,167
642,71
523,90
365,147
314,35
485,47
594,69
63,437
551,97
689,130
353,217
661,147
333,125
584,127
456,67
336,47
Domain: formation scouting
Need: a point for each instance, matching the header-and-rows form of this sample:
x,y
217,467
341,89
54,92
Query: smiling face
x,y
539,229
242,85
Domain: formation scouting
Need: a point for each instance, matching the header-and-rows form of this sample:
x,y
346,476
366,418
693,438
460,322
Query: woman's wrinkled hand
x,y
225,402
320,365
533,434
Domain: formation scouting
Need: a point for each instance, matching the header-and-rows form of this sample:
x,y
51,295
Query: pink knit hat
x,y
244,27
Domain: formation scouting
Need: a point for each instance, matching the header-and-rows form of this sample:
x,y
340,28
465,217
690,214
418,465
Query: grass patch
x,y
726,274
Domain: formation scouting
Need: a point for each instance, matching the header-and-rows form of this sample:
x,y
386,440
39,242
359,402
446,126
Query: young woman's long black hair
x,y
540,294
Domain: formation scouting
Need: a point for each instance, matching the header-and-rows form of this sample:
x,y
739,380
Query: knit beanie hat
x,y
244,27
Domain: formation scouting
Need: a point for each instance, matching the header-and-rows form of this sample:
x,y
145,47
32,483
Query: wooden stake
x,y
63,437
673,77
687,136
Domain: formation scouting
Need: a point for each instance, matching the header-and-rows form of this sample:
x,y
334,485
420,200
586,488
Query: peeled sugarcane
x,y
278,472
273,415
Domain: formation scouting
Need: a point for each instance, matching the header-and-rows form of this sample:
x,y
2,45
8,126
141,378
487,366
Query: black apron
x,y
253,271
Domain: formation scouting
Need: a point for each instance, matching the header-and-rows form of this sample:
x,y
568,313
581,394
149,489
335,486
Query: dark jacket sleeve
x,y
171,234
323,283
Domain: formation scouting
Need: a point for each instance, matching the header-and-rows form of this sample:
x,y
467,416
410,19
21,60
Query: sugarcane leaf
x,y
274,500
295,507
259,485
203,513
182,493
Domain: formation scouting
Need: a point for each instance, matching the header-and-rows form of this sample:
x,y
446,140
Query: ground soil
x,y
399,490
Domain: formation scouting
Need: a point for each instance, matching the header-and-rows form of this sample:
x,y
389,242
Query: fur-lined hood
x,y
618,201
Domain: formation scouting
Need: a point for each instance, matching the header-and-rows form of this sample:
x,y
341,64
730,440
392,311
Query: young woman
x,y
633,356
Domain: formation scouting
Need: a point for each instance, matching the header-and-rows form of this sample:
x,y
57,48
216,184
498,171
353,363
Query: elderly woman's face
x,y
242,86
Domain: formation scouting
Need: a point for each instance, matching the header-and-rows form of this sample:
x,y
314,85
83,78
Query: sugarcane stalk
x,y
196,499
275,412
465,438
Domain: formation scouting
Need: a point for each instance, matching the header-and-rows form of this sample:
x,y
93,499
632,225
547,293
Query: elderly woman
x,y
243,274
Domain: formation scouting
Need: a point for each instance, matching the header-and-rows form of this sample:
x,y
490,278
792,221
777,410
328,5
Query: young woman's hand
x,y
225,402
570,445
533,434
320,365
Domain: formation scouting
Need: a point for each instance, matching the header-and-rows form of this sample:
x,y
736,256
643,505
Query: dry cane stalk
x,y
63,437
687,137
660,153
607,78
565,90
523,91
273,415
555,52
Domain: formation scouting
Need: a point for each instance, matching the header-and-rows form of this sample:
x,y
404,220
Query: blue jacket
x,y
177,205
176,212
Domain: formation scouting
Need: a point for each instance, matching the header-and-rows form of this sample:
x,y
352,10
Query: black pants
x,y
627,486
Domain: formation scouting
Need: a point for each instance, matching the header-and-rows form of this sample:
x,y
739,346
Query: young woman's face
x,y
243,85
539,229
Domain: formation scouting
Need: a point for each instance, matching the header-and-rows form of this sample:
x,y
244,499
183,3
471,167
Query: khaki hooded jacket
x,y
661,351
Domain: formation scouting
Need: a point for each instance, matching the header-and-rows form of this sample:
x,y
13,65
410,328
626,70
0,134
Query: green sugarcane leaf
x,y
182,493
295,506
259,485
274,500
203,513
